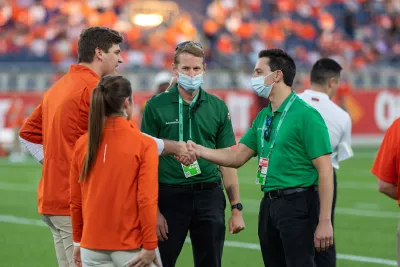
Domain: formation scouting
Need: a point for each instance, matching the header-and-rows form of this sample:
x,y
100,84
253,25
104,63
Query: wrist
x,y
237,208
236,212
175,147
171,147
324,219
201,151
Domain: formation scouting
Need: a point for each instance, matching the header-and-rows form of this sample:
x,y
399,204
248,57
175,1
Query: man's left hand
x,y
323,236
76,256
236,222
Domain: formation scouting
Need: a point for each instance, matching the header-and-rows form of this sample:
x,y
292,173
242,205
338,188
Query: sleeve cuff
x,y
150,245
160,145
249,146
76,244
385,178
36,150
159,142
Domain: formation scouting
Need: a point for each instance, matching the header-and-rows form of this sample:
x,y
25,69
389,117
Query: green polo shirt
x,y
211,127
302,137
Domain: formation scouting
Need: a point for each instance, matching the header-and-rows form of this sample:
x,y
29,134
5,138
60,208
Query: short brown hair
x,y
189,48
96,37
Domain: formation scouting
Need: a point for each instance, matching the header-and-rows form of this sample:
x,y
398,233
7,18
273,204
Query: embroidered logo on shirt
x,y
172,122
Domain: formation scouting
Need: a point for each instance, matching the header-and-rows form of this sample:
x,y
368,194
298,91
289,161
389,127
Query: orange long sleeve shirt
x,y
387,162
57,123
116,207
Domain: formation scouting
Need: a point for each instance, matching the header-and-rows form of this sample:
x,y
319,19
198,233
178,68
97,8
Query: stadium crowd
x,y
357,33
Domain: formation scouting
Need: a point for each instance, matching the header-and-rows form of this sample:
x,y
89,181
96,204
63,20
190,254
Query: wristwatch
x,y
238,206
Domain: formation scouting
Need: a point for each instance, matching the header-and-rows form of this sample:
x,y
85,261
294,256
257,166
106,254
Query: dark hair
x,y
324,69
107,99
280,60
189,47
96,37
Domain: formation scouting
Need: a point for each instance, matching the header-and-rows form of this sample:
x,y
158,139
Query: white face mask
x,y
262,90
188,83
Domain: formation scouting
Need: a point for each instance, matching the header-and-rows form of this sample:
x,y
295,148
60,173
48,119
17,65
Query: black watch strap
x,y
238,206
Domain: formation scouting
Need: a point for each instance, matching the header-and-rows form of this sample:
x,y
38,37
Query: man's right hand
x,y
162,227
184,155
145,258
180,149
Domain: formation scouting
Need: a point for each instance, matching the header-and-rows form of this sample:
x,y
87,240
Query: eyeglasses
x,y
267,132
187,42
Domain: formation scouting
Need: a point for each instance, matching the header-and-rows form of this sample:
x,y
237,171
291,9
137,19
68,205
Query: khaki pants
x,y
106,258
61,228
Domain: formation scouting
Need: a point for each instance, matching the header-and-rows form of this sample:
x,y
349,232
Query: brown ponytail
x,y
95,129
107,99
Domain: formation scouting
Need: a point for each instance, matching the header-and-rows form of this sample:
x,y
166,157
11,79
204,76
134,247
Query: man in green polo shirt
x,y
191,197
292,143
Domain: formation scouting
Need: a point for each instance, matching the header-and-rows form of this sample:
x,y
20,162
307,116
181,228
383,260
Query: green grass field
x,y
365,230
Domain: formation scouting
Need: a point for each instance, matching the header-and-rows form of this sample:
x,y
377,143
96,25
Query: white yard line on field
x,y
234,244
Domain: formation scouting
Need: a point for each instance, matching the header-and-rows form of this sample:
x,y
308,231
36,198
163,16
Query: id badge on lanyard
x,y
262,171
194,168
264,162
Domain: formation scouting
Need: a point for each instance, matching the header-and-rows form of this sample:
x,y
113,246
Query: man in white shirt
x,y
325,76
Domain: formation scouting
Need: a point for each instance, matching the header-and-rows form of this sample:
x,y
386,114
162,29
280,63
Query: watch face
x,y
238,206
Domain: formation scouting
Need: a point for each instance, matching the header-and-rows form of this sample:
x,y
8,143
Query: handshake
x,y
187,153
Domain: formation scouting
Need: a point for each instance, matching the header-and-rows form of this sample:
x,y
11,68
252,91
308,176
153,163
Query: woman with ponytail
x,y
114,184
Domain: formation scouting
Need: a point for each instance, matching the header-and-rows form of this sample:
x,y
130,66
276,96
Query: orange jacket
x,y
115,208
387,163
57,123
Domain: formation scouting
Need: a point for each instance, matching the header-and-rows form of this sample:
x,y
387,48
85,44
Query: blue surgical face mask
x,y
262,90
190,84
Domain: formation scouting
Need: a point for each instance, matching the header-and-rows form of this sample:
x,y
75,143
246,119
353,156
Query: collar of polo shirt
x,y
283,105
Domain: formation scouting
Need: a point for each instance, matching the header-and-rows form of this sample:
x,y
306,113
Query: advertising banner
x,y
372,112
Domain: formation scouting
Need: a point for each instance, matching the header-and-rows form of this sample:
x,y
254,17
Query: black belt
x,y
284,192
196,186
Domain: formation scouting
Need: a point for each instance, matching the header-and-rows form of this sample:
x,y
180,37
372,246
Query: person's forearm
x,y
170,148
231,184
390,191
325,189
160,143
221,157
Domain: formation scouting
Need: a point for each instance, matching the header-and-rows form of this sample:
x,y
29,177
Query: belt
x,y
195,186
284,192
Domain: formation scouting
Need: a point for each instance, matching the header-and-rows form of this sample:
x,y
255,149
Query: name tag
x,y
191,170
262,171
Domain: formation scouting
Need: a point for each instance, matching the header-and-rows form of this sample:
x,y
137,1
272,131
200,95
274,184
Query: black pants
x,y
328,258
202,212
286,229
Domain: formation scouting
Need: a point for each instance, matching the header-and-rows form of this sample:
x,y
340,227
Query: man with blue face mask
x,y
291,141
191,196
